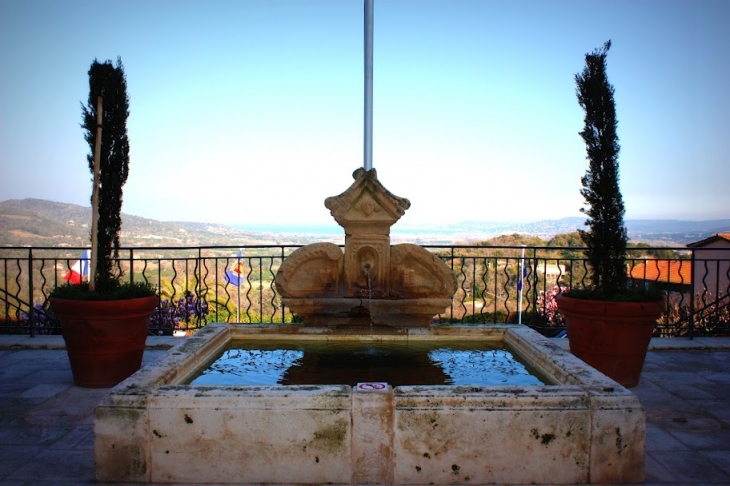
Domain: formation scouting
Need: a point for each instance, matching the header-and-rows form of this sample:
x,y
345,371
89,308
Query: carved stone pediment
x,y
366,206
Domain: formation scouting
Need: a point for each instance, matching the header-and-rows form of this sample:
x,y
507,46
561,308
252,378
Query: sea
x,y
421,235
334,229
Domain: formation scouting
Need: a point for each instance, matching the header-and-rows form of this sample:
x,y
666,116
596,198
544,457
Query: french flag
x,y
235,275
79,270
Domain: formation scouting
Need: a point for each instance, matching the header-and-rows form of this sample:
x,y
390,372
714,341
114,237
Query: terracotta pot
x,y
105,339
612,337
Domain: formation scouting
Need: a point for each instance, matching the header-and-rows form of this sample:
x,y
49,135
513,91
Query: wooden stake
x,y
95,196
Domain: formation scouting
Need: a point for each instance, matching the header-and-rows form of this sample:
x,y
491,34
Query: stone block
x,y
273,434
372,435
480,436
618,429
120,443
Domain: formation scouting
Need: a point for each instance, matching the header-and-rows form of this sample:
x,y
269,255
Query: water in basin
x,y
485,363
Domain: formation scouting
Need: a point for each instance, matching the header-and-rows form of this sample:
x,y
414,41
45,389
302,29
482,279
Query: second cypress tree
x,y
607,238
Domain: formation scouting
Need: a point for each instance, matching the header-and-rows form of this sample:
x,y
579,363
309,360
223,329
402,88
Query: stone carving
x,y
367,204
372,282
311,271
417,273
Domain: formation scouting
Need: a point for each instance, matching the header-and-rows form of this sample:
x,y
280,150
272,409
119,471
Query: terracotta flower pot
x,y
105,339
612,337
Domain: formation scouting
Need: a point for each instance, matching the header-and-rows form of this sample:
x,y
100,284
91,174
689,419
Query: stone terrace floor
x,y
46,423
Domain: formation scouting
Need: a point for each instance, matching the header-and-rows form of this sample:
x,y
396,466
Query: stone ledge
x,y
22,341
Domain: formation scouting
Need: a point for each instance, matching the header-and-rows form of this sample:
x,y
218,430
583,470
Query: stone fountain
x,y
157,427
372,282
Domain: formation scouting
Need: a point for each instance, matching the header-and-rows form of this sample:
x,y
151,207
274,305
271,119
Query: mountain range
x,y
39,223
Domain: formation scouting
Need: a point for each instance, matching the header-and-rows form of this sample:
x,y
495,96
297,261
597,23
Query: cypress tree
x,y
607,238
109,82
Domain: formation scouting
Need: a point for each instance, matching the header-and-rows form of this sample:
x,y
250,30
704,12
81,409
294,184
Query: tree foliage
x,y
109,82
607,237
570,240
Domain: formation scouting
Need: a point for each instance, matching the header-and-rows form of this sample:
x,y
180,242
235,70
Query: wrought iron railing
x,y
198,285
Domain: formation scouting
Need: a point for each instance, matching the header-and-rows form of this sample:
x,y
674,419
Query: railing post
x,y
31,307
131,265
692,295
452,271
533,300
282,302
199,286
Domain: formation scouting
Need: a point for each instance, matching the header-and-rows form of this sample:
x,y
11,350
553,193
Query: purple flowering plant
x,y
179,314
44,321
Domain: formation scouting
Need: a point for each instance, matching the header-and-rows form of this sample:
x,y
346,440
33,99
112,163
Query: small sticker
x,y
372,386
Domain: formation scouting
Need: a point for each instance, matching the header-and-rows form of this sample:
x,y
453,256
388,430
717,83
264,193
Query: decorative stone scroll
x,y
417,273
311,271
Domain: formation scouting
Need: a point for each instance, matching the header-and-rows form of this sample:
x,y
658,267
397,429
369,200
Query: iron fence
x,y
495,284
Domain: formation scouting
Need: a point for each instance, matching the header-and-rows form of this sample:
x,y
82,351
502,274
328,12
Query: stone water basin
x,y
580,428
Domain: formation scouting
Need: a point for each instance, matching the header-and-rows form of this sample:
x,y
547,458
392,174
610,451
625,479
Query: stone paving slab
x,y
22,341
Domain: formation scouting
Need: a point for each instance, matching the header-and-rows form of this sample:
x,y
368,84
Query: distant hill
x,y
659,232
37,222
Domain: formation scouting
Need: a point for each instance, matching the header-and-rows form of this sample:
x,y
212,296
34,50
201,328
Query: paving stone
x,y
43,390
660,440
11,373
690,467
720,458
652,395
720,391
692,392
719,409
56,375
655,471
39,358
87,444
77,438
57,465
28,434
703,440
718,377
672,379
14,388
14,456
73,402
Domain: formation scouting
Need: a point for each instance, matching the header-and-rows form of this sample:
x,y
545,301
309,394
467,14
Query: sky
x,y
251,111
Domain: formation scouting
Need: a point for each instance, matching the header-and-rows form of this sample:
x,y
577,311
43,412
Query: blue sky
x,y
252,111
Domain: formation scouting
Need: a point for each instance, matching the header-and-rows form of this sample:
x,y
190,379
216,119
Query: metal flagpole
x,y
368,119
238,307
520,285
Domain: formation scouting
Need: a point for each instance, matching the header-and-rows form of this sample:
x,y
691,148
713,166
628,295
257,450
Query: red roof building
x,y
677,272
711,267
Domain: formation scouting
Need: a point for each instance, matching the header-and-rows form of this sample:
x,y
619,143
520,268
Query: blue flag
x,y
235,275
524,274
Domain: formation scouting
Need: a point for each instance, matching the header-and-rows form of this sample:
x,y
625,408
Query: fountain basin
x,y
583,428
